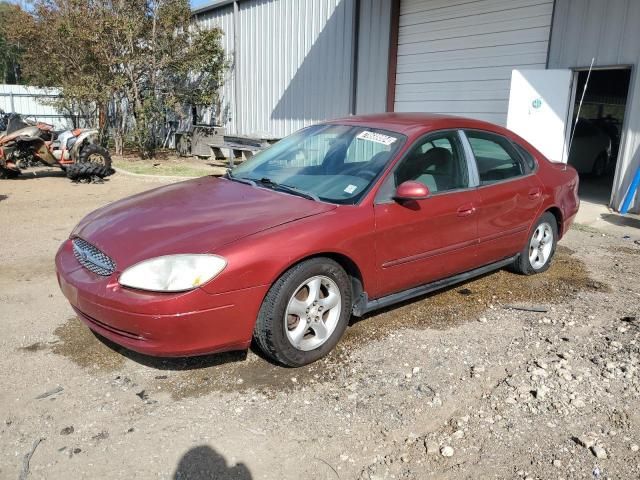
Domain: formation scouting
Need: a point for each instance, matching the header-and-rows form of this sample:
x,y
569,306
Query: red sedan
x,y
337,219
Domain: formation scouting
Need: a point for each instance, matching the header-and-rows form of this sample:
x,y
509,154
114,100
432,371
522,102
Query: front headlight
x,y
173,273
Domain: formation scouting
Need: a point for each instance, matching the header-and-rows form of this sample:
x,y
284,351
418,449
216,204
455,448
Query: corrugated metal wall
x,y
293,61
456,56
373,56
222,18
31,101
609,31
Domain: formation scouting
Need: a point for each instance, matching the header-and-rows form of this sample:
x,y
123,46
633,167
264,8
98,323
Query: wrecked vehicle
x,y
25,144
340,218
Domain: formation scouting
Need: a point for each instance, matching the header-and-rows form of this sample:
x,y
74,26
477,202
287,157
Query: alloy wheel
x,y
541,245
313,313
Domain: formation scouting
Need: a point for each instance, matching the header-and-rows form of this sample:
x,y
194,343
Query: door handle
x,y
534,193
466,210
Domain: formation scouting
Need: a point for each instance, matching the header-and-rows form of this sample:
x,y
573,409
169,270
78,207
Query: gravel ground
x,y
453,385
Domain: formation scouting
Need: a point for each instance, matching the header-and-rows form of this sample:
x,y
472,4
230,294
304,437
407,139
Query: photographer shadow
x,y
204,463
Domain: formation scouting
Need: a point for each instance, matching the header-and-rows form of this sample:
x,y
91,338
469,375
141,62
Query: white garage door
x,y
456,56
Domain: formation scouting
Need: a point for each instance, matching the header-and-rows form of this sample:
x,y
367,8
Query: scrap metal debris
x,y
27,458
525,308
48,393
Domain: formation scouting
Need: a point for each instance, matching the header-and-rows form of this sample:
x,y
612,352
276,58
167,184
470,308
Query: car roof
x,y
412,123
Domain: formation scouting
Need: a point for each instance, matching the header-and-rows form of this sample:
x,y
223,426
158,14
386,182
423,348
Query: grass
x,y
172,168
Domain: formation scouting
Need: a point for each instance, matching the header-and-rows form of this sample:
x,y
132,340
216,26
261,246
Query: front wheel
x,y
8,173
537,254
305,313
95,154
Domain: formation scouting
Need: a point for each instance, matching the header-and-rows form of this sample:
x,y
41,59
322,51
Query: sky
x,y
194,3
199,3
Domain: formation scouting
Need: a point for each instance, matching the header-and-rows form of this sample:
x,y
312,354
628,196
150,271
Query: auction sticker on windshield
x,y
376,137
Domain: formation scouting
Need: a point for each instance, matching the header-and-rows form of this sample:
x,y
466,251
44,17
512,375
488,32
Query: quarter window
x,y
495,156
528,158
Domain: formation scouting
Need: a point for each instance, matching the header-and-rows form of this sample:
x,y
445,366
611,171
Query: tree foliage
x,y
9,49
136,60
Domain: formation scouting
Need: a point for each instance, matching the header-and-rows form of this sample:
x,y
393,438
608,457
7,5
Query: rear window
x,y
496,157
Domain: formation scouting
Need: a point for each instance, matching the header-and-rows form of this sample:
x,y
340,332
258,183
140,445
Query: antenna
x,y
584,91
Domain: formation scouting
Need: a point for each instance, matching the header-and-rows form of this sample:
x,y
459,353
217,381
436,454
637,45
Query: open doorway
x,y
596,140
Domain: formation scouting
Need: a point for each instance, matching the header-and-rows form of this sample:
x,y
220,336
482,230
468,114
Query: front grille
x,y
92,258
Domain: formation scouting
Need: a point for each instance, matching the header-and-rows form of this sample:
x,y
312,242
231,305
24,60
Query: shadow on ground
x,y
41,173
620,220
204,463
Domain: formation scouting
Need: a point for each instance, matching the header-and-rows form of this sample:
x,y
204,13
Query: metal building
x,y
297,62
34,103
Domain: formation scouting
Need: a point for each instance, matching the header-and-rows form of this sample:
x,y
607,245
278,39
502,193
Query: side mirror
x,y
411,190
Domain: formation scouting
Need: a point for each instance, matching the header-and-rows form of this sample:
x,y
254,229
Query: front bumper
x,y
159,324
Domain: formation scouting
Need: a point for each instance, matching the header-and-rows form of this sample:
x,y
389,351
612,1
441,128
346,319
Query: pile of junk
x,y
26,143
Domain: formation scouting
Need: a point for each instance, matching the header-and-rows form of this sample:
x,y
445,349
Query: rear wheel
x,y
305,313
94,164
87,172
537,254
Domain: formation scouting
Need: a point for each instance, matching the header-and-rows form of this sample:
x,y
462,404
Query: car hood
x,y
196,216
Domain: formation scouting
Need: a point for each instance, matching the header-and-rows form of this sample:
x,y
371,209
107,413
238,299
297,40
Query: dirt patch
x,y
25,271
368,411
626,250
580,227
81,346
446,308
239,371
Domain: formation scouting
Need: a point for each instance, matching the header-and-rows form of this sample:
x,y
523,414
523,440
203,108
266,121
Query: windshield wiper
x,y
267,182
228,175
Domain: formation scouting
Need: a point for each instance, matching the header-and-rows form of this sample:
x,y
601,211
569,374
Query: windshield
x,y
334,163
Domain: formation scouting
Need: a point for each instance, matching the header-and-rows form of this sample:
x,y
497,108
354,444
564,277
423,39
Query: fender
x,y
91,135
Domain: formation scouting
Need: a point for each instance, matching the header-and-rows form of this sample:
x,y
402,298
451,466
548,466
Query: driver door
x,y
420,241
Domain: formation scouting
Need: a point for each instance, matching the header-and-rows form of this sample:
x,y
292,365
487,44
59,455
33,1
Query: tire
x,y
278,326
600,165
526,264
93,153
8,173
87,171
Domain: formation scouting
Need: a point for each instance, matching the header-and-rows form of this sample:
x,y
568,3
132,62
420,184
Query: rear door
x,y
424,240
510,195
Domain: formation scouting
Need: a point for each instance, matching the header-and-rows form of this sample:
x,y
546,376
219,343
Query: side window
x,y
437,161
496,157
